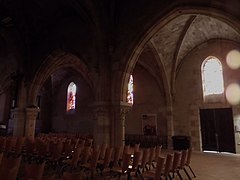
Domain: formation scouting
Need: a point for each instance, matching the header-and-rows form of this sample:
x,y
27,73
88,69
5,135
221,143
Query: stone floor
x,y
212,166
208,166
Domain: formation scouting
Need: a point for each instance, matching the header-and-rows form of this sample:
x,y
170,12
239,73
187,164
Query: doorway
x,y
217,130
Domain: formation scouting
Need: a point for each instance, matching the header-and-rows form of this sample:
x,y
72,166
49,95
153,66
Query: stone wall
x,y
189,96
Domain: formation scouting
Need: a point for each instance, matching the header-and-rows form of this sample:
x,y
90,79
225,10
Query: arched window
x,y
130,90
71,96
212,79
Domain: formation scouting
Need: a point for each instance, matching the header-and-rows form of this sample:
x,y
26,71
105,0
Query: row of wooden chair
x,y
172,164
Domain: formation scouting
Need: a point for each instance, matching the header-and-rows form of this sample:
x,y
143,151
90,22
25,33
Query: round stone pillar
x,y
18,115
119,117
101,130
170,126
31,115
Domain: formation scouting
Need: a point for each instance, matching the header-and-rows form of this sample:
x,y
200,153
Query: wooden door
x,y
217,130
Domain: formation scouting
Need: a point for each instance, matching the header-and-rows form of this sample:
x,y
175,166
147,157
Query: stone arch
x,y
131,56
56,60
130,59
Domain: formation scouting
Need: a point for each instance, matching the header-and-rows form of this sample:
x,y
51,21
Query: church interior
x,y
147,74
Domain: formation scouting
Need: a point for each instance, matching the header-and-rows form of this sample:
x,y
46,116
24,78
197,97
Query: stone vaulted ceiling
x,y
181,35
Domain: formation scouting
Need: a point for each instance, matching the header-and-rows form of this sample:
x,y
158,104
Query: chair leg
x,y
187,173
129,176
191,171
169,177
179,175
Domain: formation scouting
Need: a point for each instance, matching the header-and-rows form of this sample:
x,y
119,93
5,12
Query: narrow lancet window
x,y
130,90
71,96
212,77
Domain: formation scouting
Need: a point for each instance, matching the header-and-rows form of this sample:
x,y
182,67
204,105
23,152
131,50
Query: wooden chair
x,y
10,144
81,143
34,171
151,157
85,155
176,162
145,157
105,163
157,172
126,150
189,155
9,167
19,145
42,149
92,165
134,167
29,148
123,169
2,143
68,147
103,149
182,163
72,163
117,156
1,156
158,151
55,154
70,176
136,147
167,167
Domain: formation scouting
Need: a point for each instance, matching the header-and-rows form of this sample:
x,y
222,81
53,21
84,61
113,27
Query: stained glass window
x,y
71,96
130,90
212,77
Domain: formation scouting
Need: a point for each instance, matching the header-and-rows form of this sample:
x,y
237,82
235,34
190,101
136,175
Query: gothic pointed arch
x,y
56,60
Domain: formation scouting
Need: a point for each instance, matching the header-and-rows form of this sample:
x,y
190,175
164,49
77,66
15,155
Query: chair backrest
x,y
19,145
42,147
30,145
103,149
57,151
176,160
108,156
67,147
74,142
10,143
136,159
158,152
34,171
2,143
69,176
88,142
94,159
159,168
151,156
85,154
183,159
145,157
136,147
168,164
126,149
81,143
76,156
9,167
189,155
117,154
126,162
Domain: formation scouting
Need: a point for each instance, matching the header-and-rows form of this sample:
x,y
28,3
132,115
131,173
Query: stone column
x,y
170,126
101,131
119,117
18,115
31,115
